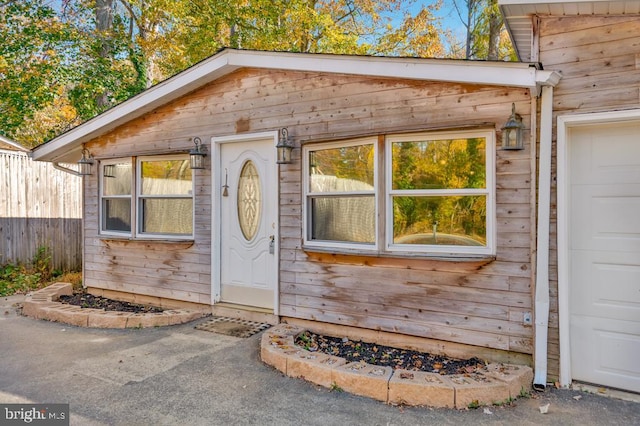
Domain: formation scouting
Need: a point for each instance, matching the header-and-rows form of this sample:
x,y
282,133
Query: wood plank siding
x,y
599,58
474,303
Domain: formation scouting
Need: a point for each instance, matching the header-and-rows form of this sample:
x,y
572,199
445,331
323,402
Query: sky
x,y
449,16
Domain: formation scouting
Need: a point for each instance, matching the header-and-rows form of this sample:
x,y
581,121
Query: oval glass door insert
x,y
249,200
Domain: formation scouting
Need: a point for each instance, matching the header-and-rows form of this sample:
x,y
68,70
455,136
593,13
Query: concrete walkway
x,y
177,375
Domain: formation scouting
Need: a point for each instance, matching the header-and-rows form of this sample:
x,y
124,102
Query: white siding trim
x,y
564,124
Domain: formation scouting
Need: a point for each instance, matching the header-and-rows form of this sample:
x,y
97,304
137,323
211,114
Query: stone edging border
x,y
43,304
500,383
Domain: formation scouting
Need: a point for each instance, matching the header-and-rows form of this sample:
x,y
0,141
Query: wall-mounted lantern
x,y
512,138
284,147
85,163
196,155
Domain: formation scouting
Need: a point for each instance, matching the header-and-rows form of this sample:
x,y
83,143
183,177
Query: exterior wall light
x,y
512,131
196,155
85,163
284,147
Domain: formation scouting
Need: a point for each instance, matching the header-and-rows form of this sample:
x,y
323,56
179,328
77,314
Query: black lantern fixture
x,y
284,147
196,155
85,163
512,131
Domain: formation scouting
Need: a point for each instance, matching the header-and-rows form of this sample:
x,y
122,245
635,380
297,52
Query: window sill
x,y
437,257
117,240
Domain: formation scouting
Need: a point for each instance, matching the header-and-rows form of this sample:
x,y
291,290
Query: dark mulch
x,y
374,354
86,300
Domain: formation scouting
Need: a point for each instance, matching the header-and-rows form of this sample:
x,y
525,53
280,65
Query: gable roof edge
x,y
226,61
11,143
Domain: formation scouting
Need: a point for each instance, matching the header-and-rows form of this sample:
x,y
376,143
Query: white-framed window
x,y
340,194
116,193
433,195
147,197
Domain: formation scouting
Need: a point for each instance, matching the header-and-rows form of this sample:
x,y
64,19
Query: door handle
x,y
272,244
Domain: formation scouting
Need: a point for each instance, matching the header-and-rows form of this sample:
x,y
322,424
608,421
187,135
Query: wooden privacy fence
x,y
39,207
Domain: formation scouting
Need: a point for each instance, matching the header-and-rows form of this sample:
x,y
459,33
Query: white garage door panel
x,y
608,352
604,254
605,284
596,158
612,219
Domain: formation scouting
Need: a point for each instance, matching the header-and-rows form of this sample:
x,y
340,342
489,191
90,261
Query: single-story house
x,y
439,204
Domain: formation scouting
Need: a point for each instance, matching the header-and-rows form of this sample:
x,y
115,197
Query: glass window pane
x,y
249,200
116,215
349,168
350,219
166,177
458,221
119,183
439,164
167,216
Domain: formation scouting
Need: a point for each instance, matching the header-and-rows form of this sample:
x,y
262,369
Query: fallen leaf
x,y
577,397
544,409
487,411
602,390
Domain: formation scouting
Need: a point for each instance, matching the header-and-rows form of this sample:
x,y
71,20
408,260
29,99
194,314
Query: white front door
x,y
248,222
604,254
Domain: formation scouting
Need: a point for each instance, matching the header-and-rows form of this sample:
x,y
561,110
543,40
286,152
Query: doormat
x,y
232,326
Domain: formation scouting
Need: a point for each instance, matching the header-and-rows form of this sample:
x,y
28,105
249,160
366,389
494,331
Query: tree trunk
x,y
104,25
495,26
469,25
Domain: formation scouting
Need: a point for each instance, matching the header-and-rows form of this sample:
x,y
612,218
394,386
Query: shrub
x,y
19,278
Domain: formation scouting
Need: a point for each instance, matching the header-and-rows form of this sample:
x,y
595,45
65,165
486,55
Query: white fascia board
x,y
511,74
549,2
158,95
13,144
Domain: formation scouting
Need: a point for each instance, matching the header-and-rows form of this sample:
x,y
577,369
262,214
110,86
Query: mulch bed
x,y
371,353
86,300
350,350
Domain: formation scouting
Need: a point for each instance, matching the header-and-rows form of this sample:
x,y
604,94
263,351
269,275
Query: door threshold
x,y
249,313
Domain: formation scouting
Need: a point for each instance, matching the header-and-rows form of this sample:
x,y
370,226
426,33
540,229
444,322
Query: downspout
x,y
541,308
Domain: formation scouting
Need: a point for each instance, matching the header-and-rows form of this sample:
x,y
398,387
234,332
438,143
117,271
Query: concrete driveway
x,y
181,376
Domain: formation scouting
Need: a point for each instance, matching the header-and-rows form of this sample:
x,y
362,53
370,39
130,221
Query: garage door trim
x,y
564,124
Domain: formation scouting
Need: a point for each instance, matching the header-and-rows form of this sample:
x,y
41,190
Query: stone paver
x,y
477,389
44,304
421,388
364,379
494,384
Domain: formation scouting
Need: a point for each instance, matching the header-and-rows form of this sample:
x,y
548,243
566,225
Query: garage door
x,y
604,253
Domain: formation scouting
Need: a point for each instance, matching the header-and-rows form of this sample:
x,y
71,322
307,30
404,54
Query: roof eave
x,y
518,16
13,144
455,71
